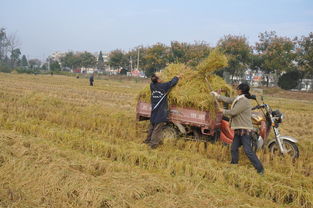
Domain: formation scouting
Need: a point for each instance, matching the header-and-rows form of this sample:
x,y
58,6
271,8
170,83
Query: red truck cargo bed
x,y
185,116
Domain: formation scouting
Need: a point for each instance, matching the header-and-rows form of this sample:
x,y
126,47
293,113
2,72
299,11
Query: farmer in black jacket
x,y
159,109
91,80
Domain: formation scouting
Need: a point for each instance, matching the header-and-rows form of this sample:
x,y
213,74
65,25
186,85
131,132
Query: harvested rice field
x,y
66,144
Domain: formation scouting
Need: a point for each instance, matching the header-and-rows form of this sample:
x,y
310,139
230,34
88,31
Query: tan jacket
x,y
240,112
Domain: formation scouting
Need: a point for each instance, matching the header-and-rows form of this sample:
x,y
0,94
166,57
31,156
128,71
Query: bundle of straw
x,y
192,90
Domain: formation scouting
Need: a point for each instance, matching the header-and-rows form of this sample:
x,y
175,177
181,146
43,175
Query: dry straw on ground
x,y
71,145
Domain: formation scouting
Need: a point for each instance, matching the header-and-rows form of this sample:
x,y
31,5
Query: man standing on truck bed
x,y
159,109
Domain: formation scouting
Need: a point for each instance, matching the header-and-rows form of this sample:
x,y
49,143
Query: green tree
x,y
100,62
156,58
55,66
117,59
15,56
179,52
256,62
190,54
87,59
305,55
197,52
238,52
70,60
4,68
289,80
276,53
24,62
44,66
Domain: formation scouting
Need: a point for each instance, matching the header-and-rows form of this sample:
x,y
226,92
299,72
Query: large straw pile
x,y
192,89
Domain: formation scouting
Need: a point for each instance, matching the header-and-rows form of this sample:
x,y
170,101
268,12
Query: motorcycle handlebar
x,y
255,107
258,107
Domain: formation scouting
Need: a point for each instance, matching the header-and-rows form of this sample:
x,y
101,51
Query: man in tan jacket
x,y
240,121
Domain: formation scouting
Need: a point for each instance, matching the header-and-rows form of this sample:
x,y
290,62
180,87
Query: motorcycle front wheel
x,y
291,147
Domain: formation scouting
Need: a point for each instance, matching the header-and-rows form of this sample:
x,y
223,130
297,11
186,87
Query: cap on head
x,y
244,87
154,78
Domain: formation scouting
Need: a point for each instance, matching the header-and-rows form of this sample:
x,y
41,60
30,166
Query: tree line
x,y
11,57
72,60
273,55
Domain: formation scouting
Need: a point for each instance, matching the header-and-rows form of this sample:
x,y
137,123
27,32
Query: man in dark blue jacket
x,y
91,80
159,109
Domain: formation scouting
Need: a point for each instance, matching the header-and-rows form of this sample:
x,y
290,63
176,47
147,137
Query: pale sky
x,y
46,26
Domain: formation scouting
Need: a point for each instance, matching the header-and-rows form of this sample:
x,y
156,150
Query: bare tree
x,y
34,63
4,43
14,51
9,51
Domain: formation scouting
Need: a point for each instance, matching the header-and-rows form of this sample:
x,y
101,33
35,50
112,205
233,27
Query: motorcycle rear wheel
x,y
292,149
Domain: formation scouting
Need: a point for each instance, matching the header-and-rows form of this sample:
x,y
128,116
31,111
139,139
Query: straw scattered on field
x,y
66,148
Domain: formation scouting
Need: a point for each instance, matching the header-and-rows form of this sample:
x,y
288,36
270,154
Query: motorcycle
x,y
263,121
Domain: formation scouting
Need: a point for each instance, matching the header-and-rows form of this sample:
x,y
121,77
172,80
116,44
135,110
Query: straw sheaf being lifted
x,y
192,89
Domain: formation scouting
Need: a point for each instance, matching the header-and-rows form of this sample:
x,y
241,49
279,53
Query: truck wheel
x,y
169,132
216,136
197,135
292,149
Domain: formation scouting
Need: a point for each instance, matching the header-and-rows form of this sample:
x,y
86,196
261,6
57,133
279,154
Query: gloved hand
x,y
180,75
213,93
221,109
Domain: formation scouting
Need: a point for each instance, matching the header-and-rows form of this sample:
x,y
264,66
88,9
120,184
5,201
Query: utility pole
x,y
48,63
131,63
138,59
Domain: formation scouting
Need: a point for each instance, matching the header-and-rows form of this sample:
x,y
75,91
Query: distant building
x,y
306,85
112,71
136,73
86,70
77,70
56,56
254,78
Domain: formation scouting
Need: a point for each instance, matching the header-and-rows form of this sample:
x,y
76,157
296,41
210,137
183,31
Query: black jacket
x,y
158,90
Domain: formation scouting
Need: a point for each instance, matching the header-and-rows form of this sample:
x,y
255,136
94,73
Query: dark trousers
x,y
245,141
91,83
154,134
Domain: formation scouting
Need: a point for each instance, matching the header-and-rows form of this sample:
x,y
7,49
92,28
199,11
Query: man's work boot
x,y
261,172
154,146
146,141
